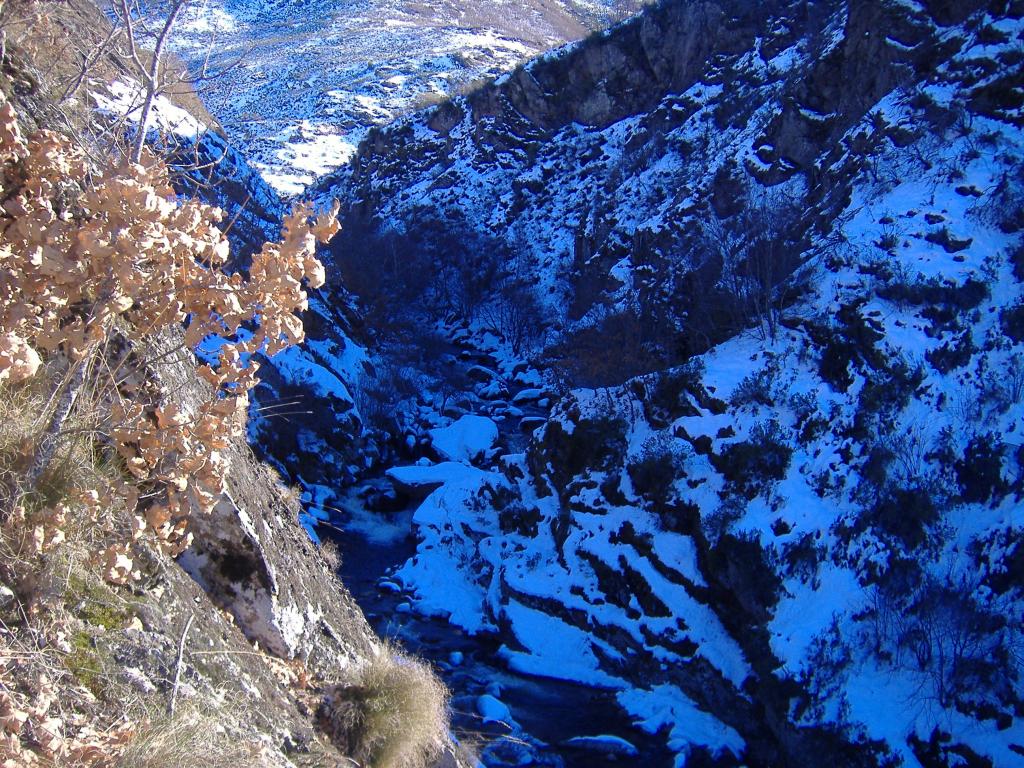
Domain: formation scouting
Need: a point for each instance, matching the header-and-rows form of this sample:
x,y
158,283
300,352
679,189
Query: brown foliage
x,y
99,268
87,253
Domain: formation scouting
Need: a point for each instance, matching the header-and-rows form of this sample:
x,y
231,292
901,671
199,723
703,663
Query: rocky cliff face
x,y
250,625
602,167
623,187
255,561
255,564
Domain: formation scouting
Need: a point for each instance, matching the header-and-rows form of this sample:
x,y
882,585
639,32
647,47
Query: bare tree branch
x,y
150,76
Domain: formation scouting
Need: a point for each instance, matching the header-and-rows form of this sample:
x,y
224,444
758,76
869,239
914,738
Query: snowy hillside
x,y
203,160
831,517
683,365
302,83
621,177
782,248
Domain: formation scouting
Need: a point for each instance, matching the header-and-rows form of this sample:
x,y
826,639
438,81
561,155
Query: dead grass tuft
x,y
22,420
391,713
191,737
28,551
23,410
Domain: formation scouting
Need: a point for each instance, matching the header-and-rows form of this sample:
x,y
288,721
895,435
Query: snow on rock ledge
x,y
418,482
465,440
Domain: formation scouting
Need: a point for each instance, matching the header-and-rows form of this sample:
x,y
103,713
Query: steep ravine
x,y
227,648
545,714
776,254
373,525
758,545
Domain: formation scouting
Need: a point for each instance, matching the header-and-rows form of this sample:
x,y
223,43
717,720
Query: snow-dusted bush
x,y
980,472
671,388
810,423
759,250
751,467
952,354
1002,392
584,355
434,265
885,393
934,293
514,314
955,637
1004,206
758,388
745,569
378,395
1012,321
581,438
655,470
1017,260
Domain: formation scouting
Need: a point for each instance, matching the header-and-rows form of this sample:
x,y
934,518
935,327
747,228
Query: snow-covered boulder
x,y
530,395
604,744
418,482
493,710
466,439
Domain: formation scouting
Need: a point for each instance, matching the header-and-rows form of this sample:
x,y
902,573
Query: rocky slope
x,y
252,579
795,532
249,631
309,82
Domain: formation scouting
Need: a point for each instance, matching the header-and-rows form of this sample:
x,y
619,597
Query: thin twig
x,y
177,669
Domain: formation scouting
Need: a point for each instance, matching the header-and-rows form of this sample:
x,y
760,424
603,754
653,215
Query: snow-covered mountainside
x,y
781,242
619,174
303,82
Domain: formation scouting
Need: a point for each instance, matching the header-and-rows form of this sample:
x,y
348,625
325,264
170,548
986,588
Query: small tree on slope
x,y
116,256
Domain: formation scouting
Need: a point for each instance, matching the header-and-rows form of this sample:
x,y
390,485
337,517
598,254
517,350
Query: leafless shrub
x,y
606,353
379,395
961,646
1004,391
759,251
514,315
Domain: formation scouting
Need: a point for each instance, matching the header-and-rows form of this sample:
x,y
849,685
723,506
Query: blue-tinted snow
x,y
466,439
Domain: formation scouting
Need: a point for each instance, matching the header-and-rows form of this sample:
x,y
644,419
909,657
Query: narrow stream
x,y
548,712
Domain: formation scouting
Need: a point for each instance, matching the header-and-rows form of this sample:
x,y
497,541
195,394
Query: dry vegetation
x,y
100,465
389,714
94,273
171,742
57,54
